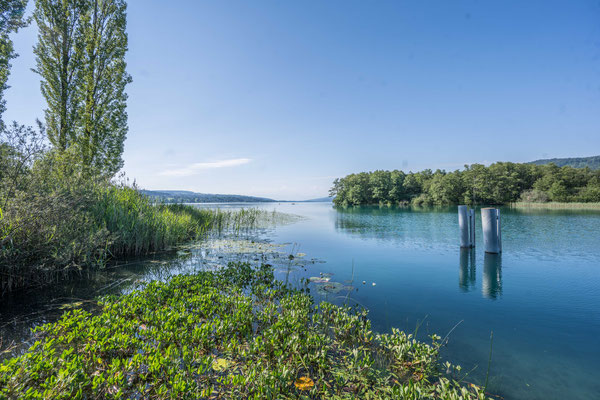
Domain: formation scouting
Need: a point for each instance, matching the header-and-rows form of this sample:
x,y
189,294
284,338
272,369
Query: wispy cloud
x,y
196,168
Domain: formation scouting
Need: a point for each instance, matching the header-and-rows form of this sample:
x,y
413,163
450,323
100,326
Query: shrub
x,y
534,196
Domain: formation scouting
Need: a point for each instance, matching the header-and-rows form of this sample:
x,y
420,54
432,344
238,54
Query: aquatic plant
x,y
557,206
232,333
244,219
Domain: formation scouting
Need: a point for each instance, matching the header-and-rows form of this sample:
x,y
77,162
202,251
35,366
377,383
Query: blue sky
x,y
277,98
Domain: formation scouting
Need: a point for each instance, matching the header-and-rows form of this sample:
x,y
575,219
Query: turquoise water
x,y
540,298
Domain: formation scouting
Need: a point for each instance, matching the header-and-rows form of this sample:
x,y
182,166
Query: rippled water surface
x,y
540,298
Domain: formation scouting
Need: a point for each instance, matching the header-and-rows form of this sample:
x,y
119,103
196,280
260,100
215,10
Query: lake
x,y
540,297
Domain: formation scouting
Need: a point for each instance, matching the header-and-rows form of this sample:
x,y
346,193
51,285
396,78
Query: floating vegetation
x,y
329,287
235,333
246,246
221,364
304,383
318,279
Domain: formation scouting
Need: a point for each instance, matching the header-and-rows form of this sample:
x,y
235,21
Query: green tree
x,y
11,19
446,188
81,58
59,52
381,184
103,80
397,193
558,192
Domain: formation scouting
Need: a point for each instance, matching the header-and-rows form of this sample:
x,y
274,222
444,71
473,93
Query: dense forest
x,y
577,162
500,183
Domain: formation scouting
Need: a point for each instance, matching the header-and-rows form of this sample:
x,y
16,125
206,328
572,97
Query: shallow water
x,y
540,298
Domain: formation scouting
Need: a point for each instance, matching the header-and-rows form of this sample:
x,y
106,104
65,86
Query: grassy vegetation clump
x,y
557,206
47,234
138,227
231,334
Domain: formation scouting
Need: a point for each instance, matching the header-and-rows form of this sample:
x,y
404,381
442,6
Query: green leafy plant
x,y
232,333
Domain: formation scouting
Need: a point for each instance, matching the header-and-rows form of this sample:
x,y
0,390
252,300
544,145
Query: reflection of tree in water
x,y
412,227
466,271
492,276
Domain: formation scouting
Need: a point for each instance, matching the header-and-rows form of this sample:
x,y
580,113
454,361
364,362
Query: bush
x,y
534,196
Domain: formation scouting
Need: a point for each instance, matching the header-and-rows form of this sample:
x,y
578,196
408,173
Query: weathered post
x,y
472,226
489,223
463,226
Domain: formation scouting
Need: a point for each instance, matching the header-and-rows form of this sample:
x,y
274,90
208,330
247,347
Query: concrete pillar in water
x,y
463,226
489,223
499,230
472,226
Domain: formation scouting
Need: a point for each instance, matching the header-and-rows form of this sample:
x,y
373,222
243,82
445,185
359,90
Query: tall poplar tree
x,y
104,118
59,60
11,19
81,58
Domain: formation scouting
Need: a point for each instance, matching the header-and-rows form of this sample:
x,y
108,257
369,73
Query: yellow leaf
x,y
304,383
221,364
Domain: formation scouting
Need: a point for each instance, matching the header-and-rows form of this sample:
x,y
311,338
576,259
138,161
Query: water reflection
x,y
491,287
466,272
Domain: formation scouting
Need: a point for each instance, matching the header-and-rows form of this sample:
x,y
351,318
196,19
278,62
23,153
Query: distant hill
x,y
580,162
184,196
320,200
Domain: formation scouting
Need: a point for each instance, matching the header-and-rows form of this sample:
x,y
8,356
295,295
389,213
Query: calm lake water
x,y
540,298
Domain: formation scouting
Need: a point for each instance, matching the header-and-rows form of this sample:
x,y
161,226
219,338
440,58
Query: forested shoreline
x,y
497,184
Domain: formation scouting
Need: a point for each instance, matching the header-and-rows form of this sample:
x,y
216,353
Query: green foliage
x,y
45,235
56,219
11,19
234,333
59,59
500,183
103,81
577,162
80,56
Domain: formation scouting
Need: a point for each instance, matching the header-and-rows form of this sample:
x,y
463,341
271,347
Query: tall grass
x,y
138,227
557,206
243,219
47,236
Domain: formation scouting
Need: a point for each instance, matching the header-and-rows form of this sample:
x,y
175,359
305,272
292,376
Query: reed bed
x,y
48,237
557,206
246,219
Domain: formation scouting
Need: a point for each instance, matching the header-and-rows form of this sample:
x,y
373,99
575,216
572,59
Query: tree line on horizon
x,y
498,184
